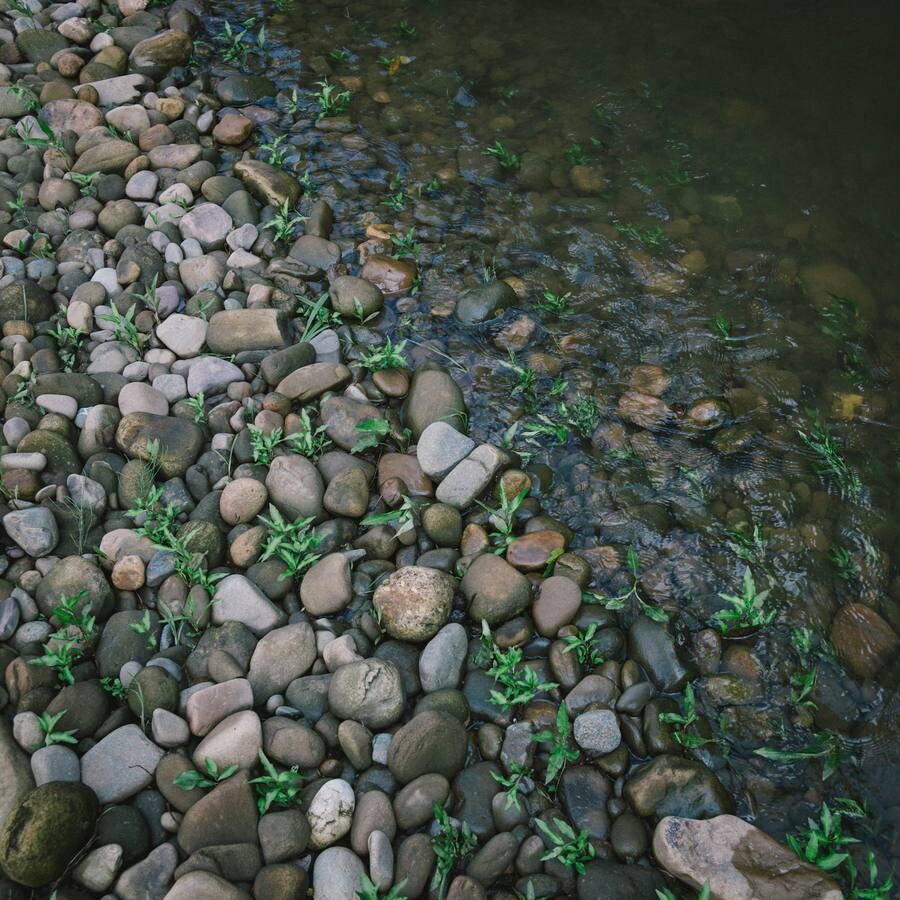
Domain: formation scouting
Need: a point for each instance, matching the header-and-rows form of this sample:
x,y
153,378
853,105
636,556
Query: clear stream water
x,y
740,163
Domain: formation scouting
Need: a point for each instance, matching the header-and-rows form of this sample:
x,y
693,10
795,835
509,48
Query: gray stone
x,y
469,478
337,874
295,486
33,529
55,763
442,659
183,335
440,448
485,302
235,740
597,731
369,691
121,764
239,600
150,878
212,376
330,813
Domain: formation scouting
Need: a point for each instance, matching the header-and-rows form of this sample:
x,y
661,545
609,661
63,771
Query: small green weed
x,y
558,304
451,845
573,850
619,601
51,735
583,646
517,683
748,609
192,779
519,781
827,746
294,543
562,749
276,151
508,160
284,223
503,518
332,102
685,721
72,641
387,356
403,518
197,406
368,890
277,788
124,329
829,463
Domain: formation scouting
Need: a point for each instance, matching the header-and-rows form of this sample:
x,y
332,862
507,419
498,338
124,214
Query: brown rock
x,y
558,602
232,129
643,410
863,640
392,276
739,861
531,552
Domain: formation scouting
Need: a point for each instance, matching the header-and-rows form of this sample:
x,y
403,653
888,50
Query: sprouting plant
x,y
391,64
387,356
583,414
403,518
283,5
68,340
17,205
517,683
573,850
113,686
559,304
341,55
545,427
396,200
275,151
562,750
371,433
262,445
51,735
526,382
750,543
26,95
666,894
274,787
294,543
685,721
191,779
842,322
123,327
146,629
842,560
318,316
508,161
50,140
306,440
503,518
307,182
747,609
519,781
651,236
721,327
619,601
583,646
575,155
197,406
236,49
404,31
86,182
451,844
829,463
802,684
72,640
827,746
405,245
331,101
284,223
488,269
368,890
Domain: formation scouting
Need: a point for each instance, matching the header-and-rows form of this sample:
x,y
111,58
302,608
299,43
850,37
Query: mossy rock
x,y
46,830
25,301
152,689
61,456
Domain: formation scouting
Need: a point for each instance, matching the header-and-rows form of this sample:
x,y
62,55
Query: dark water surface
x,y
737,160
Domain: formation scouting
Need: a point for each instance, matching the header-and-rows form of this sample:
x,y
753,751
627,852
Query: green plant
x,y
503,518
405,245
750,543
675,176
318,316
262,445
829,463
331,101
341,55
368,890
575,155
562,750
236,50
619,601
583,415
403,518
123,327
827,746
451,844
583,646
747,609
68,340
278,788
306,440
508,161
685,721
573,850
666,894
560,304
275,151
146,629
284,223
197,406
294,543
518,683
404,31
651,236
72,640
27,96
86,182
371,433
192,779
396,200
283,5
387,356
114,687
843,561
308,184
544,426
519,781
50,140
51,735
391,64
721,327
17,206
526,382
842,322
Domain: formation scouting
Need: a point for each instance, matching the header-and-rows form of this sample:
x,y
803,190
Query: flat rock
x,y
239,600
121,764
738,860
441,447
235,330
236,740
469,478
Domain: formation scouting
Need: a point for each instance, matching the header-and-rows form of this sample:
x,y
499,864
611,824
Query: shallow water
x,y
740,162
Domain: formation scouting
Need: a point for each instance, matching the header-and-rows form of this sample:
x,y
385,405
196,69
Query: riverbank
x,y
286,603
